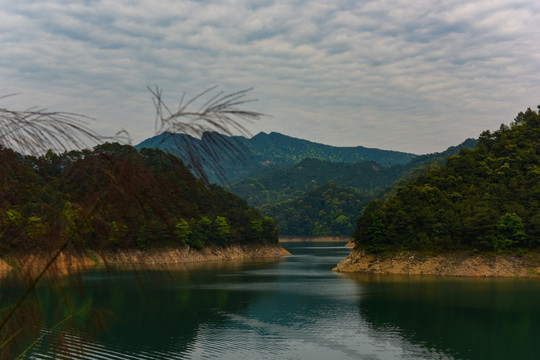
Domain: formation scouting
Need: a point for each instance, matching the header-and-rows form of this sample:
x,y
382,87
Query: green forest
x,y
115,197
485,199
296,195
326,210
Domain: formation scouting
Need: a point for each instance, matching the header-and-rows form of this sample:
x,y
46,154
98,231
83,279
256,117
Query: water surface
x,y
298,308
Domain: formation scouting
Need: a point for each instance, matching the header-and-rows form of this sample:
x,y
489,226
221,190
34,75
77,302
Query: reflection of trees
x,y
156,311
36,131
465,318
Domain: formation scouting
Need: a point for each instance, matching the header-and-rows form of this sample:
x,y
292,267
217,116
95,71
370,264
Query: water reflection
x,y
299,309
464,318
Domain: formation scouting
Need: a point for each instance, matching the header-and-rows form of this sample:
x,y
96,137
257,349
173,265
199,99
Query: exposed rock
x,y
187,254
314,239
460,263
30,265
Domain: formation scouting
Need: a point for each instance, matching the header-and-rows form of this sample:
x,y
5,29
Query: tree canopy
x,y
486,198
116,197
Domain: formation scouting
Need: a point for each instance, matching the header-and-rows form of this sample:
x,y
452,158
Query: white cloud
x,y
406,75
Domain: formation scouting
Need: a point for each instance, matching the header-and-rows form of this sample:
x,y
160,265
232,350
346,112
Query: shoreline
x,y
66,263
459,263
314,239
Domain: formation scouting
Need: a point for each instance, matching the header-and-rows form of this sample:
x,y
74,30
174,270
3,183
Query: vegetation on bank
x,y
317,198
487,199
326,210
282,176
114,197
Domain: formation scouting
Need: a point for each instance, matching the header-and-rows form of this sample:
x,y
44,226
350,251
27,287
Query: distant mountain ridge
x,y
283,149
290,181
264,151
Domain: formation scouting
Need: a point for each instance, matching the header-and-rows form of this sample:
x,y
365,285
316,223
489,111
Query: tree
x,y
485,198
376,234
511,233
221,230
182,231
35,131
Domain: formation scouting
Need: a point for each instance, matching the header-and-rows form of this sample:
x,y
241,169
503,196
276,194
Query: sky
x,y
408,75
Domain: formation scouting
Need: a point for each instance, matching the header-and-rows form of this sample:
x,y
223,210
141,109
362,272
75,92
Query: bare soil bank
x,y
460,263
314,239
32,264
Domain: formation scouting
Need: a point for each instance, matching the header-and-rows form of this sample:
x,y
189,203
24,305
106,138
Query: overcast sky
x,y
408,75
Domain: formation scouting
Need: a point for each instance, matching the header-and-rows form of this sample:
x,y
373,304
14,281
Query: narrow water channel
x,y
297,308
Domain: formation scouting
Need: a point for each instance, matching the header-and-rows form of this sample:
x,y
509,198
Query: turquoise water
x,y
298,308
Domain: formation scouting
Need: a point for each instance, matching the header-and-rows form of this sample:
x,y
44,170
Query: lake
x,y
297,308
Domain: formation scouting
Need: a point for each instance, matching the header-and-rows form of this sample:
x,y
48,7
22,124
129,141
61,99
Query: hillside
x,y
487,198
326,210
329,209
292,181
282,179
117,198
247,158
282,149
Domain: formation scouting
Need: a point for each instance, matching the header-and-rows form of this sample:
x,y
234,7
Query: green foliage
x,y
118,232
36,228
221,230
510,233
376,234
292,181
487,198
327,210
116,197
182,231
13,218
77,225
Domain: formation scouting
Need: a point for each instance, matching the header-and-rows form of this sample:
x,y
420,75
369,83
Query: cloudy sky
x,y
408,75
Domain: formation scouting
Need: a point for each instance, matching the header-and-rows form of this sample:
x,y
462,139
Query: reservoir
x,y
295,308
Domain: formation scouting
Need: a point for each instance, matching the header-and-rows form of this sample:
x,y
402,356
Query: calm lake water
x,y
298,308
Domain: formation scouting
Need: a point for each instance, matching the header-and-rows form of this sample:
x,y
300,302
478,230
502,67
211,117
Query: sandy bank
x,y
314,239
451,264
187,254
32,264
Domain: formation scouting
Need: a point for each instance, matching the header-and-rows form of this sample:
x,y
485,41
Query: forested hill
x,y
292,181
268,151
326,210
487,198
115,197
282,149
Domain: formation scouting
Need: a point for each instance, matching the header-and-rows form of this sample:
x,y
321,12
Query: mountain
x,y
291,181
281,149
321,198
282,186
487,198
241,158
116,197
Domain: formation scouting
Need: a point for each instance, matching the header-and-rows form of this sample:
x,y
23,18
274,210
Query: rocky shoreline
x,y
31,264
314,239
461,263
